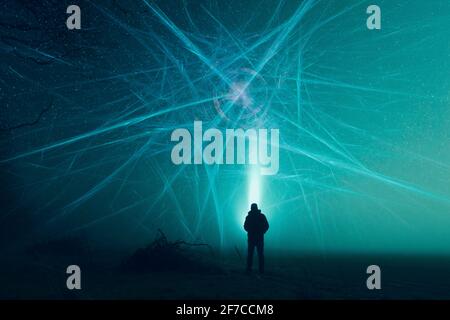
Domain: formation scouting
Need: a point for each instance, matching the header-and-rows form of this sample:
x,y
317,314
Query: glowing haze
x,y
363,119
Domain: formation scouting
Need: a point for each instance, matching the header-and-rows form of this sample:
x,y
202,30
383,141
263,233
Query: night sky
x,y
86,118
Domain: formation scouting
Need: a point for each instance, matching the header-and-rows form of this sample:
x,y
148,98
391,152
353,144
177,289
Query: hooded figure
x,y
256,225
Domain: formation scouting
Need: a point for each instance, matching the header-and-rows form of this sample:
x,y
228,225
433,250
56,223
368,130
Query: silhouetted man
x,y
256,225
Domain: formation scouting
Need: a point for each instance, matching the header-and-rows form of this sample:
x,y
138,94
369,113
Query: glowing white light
x,y
254,185
238,92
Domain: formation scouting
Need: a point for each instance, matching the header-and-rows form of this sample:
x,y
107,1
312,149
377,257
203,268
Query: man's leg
x,y
260,248
251,249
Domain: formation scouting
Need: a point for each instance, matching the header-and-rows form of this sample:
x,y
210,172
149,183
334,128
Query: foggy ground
x,y
287,277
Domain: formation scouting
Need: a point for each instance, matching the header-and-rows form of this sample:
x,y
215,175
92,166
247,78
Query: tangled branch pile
x,y
164,255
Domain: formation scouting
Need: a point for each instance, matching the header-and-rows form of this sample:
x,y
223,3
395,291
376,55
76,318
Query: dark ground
x,y
287,277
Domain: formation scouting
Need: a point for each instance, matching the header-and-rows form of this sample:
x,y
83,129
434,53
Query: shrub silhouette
x,y
164,255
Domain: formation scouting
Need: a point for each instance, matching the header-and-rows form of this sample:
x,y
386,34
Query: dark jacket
x,y
256,225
